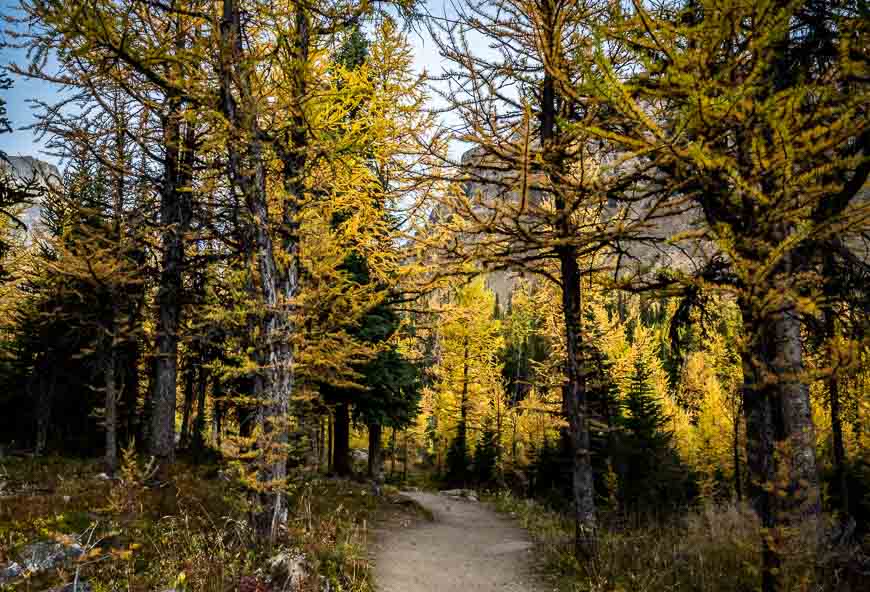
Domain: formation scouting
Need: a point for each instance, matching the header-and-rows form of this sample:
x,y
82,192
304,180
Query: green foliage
x,y
652,475
486,455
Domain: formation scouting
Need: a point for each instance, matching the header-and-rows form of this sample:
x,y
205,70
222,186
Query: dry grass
x,y
714,548
190,535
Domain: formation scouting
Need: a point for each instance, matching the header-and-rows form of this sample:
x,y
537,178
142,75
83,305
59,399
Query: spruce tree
x,y
647,458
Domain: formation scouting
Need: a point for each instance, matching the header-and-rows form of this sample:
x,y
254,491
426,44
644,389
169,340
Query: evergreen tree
x,y
646,458
486,454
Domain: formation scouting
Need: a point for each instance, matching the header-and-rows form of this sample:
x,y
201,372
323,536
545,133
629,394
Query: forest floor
x,y
466,547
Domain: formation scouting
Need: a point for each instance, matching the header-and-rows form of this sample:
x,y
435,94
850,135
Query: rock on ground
x,y
80,586
466,548
288,570
38,557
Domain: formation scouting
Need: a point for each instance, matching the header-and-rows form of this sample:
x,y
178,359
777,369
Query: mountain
x,y
27,169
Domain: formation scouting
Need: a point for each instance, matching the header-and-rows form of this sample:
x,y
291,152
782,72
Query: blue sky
x,y
24,143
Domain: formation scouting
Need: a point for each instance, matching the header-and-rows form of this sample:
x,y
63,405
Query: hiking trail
x,y
467,547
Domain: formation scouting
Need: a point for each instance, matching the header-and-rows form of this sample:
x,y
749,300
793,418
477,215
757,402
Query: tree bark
x,y
278,284
198,436
110,369
175,215
41,385
780,440
405,458
834,393
462,427
341,451
187,406
130,394
376,461
738,486
217,413
574,391
330,440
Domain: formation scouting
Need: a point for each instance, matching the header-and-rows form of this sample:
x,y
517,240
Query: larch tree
x,y
539,194
772,153
467,376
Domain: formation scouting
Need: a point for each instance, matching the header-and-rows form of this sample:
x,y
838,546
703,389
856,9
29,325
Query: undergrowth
x,y
190,534
711,548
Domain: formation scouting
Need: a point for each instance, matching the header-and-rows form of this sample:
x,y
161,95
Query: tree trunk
x,y
780,440
341,454
175,215
110,368
393,454
405,458
330,440
462,427
376,464
41,385
130,393
198,438
738,487
800,436
834,392
187,407
278,284
217,413
574,391
324,444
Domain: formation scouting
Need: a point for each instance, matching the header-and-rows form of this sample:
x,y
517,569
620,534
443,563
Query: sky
x,y
23,142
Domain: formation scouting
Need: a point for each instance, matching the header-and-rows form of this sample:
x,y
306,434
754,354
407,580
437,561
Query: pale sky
x,y
22,142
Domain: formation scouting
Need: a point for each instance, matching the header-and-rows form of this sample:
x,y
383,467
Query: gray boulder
x,y
38,557
288,570
468,494
10,572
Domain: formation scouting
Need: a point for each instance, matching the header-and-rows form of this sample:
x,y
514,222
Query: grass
x,y
711,548
191,534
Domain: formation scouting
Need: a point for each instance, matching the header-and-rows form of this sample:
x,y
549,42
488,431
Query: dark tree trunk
x,y
187,407
376,463
393,446
341,452
41,385
405,459
143,433
780,438
323,444
738,486
574,391
330,440
110,375
198,438
462,427
836,421
130,393
217,413
175,215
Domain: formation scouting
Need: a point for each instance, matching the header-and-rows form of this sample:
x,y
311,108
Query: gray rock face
x,y
28,169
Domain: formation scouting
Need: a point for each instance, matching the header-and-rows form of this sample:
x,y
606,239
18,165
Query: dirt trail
x,y
466,548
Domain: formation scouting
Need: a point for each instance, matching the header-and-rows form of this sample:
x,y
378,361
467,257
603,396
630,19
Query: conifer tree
x,y
768,145
645,441
535,194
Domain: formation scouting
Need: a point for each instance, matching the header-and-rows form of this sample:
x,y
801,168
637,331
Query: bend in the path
x,y
466,548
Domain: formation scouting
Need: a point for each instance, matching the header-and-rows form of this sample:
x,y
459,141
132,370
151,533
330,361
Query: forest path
x,y
466,548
